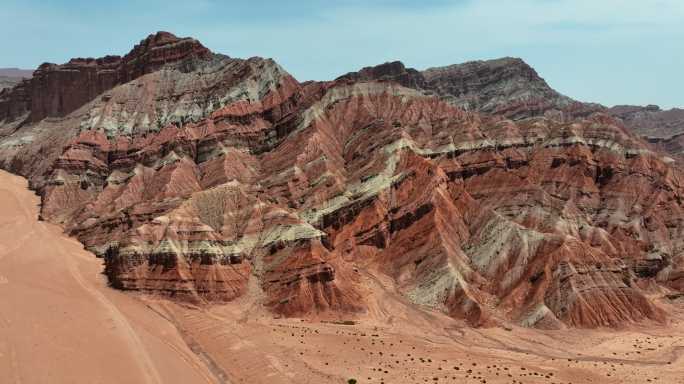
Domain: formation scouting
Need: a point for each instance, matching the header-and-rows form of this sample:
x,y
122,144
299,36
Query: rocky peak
x,y
467,74
511,65
160,38
57,90
159,44
394,71
507,86
159,49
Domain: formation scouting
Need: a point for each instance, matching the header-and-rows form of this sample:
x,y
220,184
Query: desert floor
x,y
60,323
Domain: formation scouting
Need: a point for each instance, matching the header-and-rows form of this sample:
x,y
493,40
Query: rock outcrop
x,y
394,71
506,87
662,128
57,90
229,178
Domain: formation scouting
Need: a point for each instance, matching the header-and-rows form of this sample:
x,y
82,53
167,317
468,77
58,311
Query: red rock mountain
x,y
57,90
506,87
208,178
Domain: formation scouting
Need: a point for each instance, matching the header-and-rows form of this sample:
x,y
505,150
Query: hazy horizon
x,y
613,53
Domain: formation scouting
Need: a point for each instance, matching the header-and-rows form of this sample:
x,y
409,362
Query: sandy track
x,y
60,323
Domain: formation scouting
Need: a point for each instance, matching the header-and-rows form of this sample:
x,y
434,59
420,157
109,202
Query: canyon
x,y
223,193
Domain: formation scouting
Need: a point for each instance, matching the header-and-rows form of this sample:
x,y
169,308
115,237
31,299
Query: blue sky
x,y
607,51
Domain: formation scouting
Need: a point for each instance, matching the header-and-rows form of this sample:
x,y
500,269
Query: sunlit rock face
x,y
57,90
228,178
506,87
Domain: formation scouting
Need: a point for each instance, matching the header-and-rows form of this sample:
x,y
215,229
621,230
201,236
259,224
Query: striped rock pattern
x,y
228,178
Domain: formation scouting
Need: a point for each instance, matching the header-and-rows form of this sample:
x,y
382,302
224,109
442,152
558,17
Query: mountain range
x,y
474,189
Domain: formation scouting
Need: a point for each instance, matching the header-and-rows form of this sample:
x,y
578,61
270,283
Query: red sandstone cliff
x,y
57,90
229,177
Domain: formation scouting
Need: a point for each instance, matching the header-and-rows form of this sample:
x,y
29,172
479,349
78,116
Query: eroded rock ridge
x,y
473,189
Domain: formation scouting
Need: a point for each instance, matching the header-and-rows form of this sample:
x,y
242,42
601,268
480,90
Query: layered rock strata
x,y
229,178
57,90
506,87
664,129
